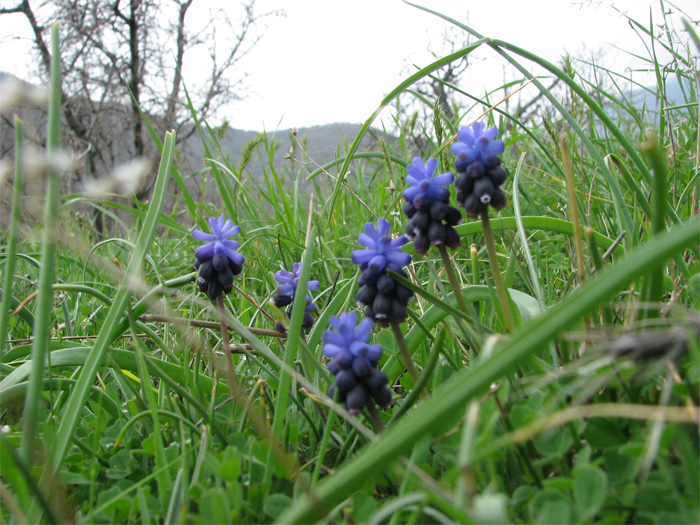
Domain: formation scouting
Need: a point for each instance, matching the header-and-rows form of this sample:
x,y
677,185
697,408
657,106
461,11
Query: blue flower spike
x,y
286,290
478,162
384,299
217,261
354,364
427,205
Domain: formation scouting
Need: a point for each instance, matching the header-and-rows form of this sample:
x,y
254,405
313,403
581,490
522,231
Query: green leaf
x,y
604,433
590,489
276,504
554,513
119,465
230,469
214,506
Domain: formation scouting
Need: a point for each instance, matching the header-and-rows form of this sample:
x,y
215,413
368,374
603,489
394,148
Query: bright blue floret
x,y
383,252
424,187
289,282
218,243
476,144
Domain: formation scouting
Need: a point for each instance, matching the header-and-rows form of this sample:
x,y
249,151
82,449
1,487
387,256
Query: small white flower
x,y
124,180
14,92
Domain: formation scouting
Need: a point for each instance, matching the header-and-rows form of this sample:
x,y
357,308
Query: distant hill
x,y
322,143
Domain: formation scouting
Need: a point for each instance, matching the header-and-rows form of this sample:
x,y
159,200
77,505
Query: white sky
x,y
334,60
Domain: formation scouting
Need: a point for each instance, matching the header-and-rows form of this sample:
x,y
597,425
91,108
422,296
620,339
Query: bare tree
x,y
124,57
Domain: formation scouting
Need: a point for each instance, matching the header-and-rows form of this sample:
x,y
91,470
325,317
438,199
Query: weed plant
x,y
547,370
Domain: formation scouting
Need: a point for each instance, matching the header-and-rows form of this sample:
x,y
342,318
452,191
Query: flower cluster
x,y
354,364
432,218
479,167
384,299
217,261
288,282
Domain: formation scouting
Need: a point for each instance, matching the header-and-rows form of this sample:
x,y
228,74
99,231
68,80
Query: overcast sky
x,y
334,60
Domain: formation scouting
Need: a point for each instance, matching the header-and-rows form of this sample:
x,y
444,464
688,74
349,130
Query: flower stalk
x,y
501,291
405,354
230,373
454,280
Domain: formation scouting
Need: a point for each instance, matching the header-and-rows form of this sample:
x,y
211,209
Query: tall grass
x,y
117,404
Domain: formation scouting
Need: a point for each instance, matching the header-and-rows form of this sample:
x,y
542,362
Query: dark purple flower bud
x,y
220,261
235,268
368,277
473,206
397,314
498,176
419,223
453,216
385,284
225,278
361,367
421,243
381,306
366,294
307,321
403,294
464,184
409,209
498,199
206,271
483,189
345,380
382,396
376,379
452,239
280,301
438,210
356,399
334,368
436,233
344,360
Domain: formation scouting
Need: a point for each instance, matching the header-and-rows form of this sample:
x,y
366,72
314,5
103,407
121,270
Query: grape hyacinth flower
x,y
354,364
288,282
384,299
479,166
217,261
432,218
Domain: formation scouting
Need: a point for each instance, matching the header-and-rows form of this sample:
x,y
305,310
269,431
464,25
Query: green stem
x,y
12,236
501,291
42,322
654,154
573,205
227,346
401,342
454,281
376,418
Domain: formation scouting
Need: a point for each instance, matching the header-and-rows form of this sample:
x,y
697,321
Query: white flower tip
x,y
14,92
5,169
124,180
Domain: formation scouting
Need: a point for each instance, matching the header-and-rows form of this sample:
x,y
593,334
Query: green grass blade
x,y
116,312
451,398
42,319
6,292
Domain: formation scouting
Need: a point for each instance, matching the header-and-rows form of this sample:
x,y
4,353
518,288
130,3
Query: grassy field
x,y
547,371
